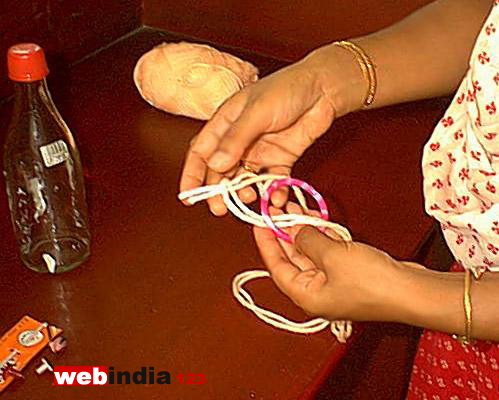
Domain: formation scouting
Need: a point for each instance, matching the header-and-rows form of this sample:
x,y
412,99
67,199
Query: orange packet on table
x,y
20,344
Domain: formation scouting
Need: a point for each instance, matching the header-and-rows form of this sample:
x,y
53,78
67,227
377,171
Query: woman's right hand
x,y
269,124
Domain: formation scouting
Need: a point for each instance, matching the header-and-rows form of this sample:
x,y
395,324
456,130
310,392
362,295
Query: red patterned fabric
x,y
461,186
461,160
444,369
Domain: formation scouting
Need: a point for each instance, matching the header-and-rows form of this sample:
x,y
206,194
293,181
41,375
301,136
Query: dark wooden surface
x,y
68,29
157,288
281,28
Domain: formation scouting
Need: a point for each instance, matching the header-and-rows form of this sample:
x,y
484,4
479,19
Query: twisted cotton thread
x,y
228,190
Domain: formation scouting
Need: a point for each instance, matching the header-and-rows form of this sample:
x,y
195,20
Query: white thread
x,y
228,190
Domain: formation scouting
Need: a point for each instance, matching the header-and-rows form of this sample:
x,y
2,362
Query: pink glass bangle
x,y
265,203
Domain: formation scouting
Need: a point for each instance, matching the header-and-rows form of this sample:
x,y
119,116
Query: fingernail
x,y
219,160
218,210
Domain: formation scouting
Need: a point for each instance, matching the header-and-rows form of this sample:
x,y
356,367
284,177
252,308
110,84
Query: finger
x,y
297,259
273,211
280,196
288,248
282,271
239,135
210,135
247,194
317,246
193,173
216,204
293,208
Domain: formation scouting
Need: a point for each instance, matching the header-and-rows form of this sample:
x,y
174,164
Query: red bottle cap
x,y
26,63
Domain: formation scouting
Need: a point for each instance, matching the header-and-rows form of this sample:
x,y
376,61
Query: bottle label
x,y
54,153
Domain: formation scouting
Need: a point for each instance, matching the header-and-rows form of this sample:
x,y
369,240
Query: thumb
x,y
319,247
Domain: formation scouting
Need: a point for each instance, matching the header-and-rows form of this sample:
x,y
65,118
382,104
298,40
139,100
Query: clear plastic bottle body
x,y
45,186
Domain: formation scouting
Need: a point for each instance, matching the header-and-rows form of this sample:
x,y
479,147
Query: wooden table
x,y
157,288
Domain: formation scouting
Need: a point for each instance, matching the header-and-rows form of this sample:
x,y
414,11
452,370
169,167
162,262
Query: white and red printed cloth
x,y
461,160
461,185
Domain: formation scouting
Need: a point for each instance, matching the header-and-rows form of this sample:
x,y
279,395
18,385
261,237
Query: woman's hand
x,y
340,280
271,123
331,278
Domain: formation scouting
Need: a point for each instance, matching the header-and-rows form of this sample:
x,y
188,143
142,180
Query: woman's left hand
x,y
331,278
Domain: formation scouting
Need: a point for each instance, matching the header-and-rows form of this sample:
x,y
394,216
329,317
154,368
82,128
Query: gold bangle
x,y
367,67
468,315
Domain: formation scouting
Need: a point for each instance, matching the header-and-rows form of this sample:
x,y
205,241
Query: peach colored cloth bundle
x,y
189,79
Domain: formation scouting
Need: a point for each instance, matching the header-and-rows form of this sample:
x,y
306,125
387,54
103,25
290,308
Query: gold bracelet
x,y
466,338
367,67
